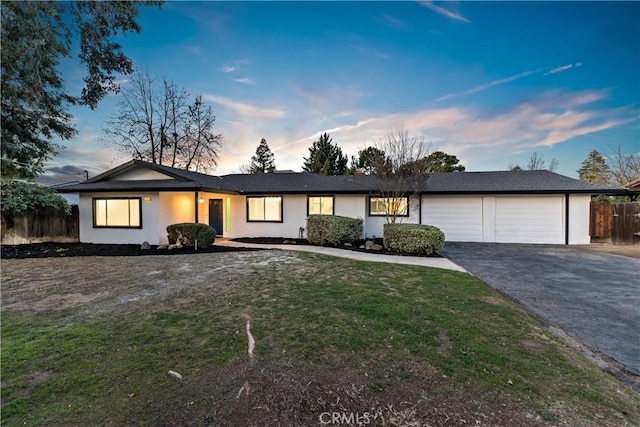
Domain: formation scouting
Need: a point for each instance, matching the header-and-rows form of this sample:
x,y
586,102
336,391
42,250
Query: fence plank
x,y
600,219
45,225
626,222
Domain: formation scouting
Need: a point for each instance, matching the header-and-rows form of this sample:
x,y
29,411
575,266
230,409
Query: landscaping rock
x,y
163,246
368,245
176,246
348,245
145,246
377,247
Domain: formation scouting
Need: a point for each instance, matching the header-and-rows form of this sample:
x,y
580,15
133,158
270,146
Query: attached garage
x,y
529,219
500,219
460,218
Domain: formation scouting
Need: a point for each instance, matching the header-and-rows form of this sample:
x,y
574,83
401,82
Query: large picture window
x,y
117,212
320,205
383,206
264,209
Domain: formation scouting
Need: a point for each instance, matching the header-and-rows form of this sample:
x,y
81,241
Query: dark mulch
x,y
52,250
355,246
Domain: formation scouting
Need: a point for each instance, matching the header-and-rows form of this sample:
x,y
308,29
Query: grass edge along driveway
x,y
398,343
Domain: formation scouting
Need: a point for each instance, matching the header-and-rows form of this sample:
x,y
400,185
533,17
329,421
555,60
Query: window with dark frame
x,y
384,206
264,209
320,205
117,212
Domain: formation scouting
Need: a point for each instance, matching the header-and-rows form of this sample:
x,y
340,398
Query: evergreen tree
x,y
368,160
325,158
595,169
263,161
439,161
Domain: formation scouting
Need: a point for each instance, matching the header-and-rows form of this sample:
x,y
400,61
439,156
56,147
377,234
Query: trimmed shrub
x,y
413,238
333,229
188,232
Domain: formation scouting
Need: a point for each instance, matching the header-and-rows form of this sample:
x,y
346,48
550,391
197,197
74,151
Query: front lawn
x,y
91,341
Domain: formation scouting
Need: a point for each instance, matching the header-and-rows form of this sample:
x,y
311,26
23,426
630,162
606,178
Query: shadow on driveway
x,y
593,296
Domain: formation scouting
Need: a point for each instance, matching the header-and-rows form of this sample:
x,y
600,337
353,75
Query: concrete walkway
x,y
358,256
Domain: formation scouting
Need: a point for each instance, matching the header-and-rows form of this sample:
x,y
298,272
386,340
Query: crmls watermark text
x,y
337,418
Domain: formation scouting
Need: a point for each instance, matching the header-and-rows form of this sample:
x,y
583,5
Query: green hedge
x,y
333,229
413,238
187,233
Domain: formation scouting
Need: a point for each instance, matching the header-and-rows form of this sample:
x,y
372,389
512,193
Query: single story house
x,y
136,201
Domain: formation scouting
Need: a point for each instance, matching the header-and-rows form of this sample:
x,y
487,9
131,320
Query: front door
x,y
215,215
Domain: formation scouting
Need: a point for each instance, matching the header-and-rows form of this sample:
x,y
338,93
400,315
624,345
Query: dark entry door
x,y
215,215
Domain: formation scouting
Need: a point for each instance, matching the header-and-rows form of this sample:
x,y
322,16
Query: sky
x,y
488,82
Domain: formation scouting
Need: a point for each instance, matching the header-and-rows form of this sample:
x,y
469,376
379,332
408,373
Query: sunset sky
x,y
490,82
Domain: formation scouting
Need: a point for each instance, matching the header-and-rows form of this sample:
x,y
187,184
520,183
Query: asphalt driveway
x,y
593,296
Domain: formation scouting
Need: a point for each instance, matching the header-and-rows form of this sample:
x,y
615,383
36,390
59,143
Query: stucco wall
x,y
148,232
579,206
374,225
293,216
139,174
174,208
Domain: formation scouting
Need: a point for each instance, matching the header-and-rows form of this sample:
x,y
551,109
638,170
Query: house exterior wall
x,y
488,218
579,219
174,208
138,174
294,216
374,225
150,219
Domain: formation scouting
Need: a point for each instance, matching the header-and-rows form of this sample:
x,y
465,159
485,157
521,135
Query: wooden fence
x,y
617,223
45,225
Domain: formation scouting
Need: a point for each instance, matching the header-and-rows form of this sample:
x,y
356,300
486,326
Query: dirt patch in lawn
x,y
98,283
314,362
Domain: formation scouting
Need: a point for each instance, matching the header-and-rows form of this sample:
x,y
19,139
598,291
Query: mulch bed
x,y
55,250
59,250
355,246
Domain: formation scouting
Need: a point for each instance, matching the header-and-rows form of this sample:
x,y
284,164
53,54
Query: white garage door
x,y
459,217
529,219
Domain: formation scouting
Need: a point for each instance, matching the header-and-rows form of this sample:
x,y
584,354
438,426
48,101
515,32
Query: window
x,y
266,209
117,212
320,205
383,206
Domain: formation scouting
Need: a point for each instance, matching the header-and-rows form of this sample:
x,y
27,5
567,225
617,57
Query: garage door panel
x,y
529,220
460,218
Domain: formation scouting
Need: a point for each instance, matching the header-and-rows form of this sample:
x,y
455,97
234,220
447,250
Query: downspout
x,y
566,219
420,209
195,198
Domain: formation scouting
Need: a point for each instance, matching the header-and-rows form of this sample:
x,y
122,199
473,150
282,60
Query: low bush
x,y
413,238
187,233
333,229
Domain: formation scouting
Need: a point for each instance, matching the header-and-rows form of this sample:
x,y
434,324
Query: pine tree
x,y
263,161
595,169
325,158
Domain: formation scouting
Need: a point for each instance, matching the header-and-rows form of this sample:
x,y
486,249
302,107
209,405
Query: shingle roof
x,y
502,182
540,181
298,182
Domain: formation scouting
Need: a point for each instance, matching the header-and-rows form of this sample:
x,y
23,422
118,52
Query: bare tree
x,y
199,150
401,174
159,126
624,167
536,162
132,128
